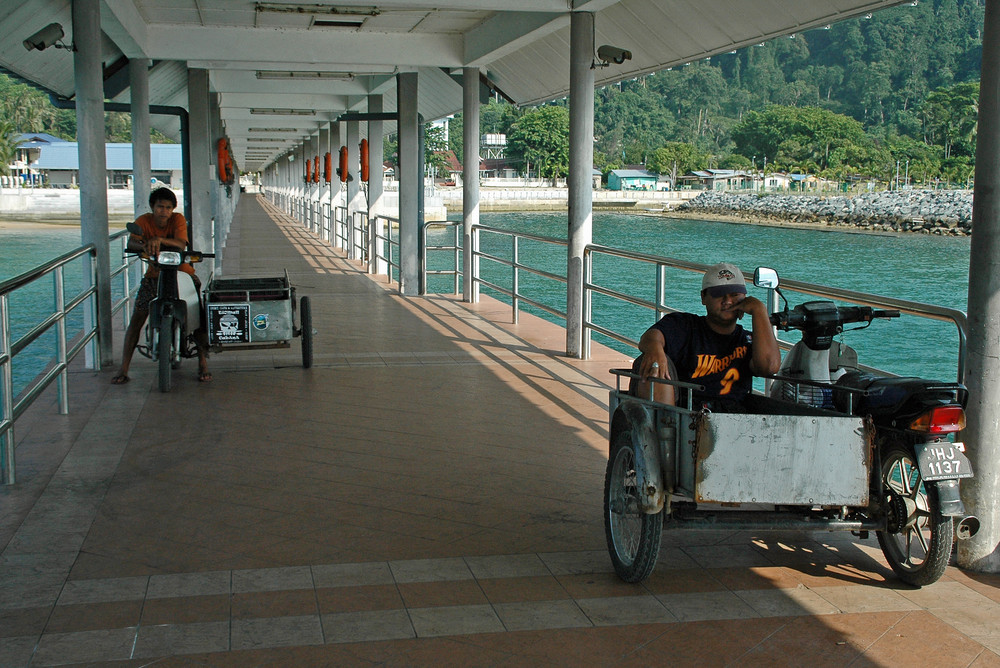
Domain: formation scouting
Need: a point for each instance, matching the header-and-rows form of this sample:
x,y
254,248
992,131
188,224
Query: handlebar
x,y
825,314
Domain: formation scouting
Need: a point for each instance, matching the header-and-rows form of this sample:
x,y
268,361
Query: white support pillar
x,y
981,493
138,78
202,179
470,179
88,84
323,196
336,141
354,203
581,163
375,138
410,183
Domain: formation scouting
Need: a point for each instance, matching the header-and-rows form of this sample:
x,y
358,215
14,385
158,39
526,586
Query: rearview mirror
x,y
765,277
134,228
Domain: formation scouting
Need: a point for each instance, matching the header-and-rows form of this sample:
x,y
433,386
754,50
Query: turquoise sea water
x,y
927,269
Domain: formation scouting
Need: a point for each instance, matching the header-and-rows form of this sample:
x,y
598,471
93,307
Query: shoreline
x,y
788,224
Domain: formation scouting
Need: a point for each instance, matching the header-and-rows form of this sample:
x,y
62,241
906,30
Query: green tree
x,y
950,118
8,145
435,146
674,159
540,140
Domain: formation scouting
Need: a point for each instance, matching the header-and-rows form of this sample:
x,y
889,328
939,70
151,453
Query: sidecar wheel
x,y
163,352
918,542
633,536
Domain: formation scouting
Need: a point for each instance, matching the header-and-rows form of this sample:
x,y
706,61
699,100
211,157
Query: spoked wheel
x,y
918,540
633,536
166,338
306,321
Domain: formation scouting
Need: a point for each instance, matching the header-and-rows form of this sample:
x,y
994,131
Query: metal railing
x,y
386,249
57,368
455,248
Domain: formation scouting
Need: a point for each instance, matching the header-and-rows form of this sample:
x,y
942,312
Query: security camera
x,y
610,54
44,38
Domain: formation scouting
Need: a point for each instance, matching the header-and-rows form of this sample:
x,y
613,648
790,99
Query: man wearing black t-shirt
x,y
712,350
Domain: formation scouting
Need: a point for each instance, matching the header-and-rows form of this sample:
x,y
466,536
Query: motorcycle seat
x,y
884,395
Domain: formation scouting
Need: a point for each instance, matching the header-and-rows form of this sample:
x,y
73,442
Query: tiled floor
x,y
428,494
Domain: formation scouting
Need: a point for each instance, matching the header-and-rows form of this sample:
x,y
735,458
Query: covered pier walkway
x,y
429,493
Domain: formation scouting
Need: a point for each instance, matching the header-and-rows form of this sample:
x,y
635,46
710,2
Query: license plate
x,y
942,461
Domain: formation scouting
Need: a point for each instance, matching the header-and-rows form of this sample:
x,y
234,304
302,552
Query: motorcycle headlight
x,y
169,258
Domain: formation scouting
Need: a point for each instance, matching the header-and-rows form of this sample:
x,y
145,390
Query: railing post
x,y
515,289
6,394
58,285
587,296
458,259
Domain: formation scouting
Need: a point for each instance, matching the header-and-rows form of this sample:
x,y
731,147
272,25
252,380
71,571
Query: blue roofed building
x,y
632,179
59,164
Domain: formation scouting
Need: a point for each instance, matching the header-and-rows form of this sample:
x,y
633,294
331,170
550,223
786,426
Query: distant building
x,y
55,163
60,164
718,179
632,179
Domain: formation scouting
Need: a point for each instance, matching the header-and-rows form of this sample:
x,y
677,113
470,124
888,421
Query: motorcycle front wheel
x,y
918,541
633,536
166,338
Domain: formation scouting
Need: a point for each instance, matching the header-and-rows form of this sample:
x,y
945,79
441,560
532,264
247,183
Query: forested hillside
x,y
854,98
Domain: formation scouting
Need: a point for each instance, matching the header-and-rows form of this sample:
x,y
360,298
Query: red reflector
x,y
940,420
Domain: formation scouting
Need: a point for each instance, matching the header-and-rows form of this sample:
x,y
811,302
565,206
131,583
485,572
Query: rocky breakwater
x,y
945,212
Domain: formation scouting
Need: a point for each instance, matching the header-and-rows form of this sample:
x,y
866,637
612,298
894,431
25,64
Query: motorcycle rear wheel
x,y
633,536
165,344
919,549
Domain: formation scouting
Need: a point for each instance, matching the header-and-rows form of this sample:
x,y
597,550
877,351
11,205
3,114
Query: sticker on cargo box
x,y
229,323
260,321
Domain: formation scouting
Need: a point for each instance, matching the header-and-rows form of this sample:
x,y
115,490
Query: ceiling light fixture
x,y
283,112
304,75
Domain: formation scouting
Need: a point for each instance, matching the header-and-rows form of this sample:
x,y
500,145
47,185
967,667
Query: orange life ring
x,y
309,165
224,161
364,160
343,164
327,167
316,169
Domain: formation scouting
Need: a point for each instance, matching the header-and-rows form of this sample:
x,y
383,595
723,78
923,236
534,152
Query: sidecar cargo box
x,y
780,459
243,312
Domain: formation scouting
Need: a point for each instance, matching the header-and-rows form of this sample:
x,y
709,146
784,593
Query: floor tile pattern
x,y
429,493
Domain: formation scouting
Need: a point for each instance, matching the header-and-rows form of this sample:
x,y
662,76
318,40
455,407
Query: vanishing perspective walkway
x,y
429,493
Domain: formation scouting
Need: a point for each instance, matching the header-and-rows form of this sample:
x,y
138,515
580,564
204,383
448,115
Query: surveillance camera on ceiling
x,y
46,37
613,54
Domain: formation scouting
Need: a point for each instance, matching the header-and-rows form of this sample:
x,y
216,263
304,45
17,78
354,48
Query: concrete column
x,y
410,183
981,494
581,163
202,177
323,197
222,199
88,84
138,78
353,186
313,187
375,138
470,178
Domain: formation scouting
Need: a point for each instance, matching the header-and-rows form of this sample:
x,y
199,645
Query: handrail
x,y
13,408
919,309
384,244
455,247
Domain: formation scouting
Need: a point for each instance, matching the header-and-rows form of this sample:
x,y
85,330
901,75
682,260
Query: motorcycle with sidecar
x,y
236,313
829,447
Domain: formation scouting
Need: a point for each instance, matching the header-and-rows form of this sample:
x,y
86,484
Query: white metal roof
x,y
522,47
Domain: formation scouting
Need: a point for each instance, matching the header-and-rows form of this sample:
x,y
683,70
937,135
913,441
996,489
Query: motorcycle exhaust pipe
x,y
967,527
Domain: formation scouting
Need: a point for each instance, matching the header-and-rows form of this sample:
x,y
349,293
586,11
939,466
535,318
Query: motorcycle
x,y
829,446
175,314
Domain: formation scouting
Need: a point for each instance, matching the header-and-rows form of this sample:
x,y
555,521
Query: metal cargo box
x,y
250,310
781,459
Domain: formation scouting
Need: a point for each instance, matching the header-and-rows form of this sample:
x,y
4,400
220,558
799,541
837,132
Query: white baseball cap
x,y
723,279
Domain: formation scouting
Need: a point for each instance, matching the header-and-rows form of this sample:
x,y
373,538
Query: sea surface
x,y
922,268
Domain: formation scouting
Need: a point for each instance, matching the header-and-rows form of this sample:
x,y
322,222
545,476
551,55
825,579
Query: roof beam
x,y
506,32
121,22
292,48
